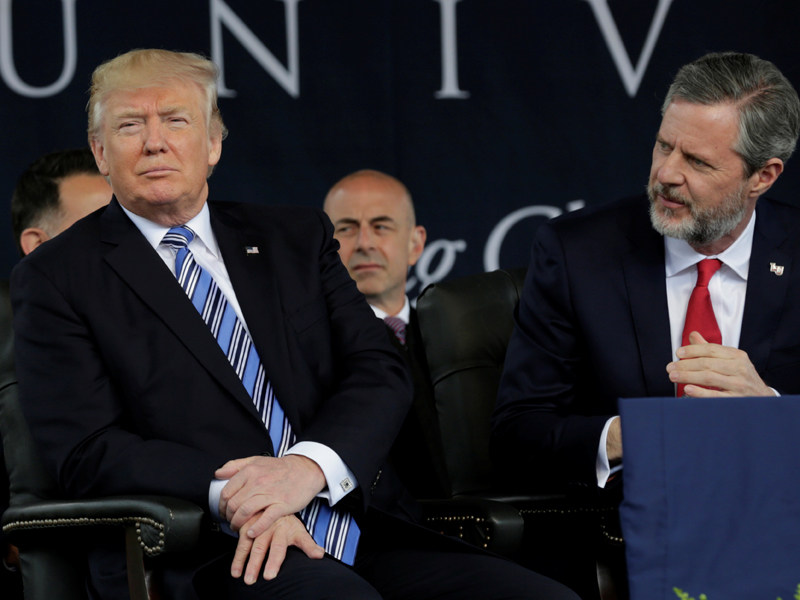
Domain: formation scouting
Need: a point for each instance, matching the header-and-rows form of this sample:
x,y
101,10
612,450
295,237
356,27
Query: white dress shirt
x,y
727,289
404,315
206,253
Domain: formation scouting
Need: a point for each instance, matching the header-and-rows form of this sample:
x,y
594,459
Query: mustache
x,y
670,193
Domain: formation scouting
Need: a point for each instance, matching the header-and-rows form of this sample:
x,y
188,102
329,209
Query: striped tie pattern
x,y
332,528
398,326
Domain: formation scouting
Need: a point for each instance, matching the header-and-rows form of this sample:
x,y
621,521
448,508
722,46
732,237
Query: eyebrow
x,y
131,113
352,221
689,155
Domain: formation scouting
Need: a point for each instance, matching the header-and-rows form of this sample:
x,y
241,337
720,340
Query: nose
x,y
669,171
365,240
154,139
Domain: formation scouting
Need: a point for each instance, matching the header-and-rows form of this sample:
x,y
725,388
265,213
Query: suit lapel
x,y
766,291
140,267
647,290
253,278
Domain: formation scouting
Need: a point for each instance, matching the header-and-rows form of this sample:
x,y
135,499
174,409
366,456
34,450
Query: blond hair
x,y
152,67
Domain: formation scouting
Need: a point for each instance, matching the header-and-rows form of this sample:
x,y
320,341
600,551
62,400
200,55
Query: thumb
x,y
696,338
232,467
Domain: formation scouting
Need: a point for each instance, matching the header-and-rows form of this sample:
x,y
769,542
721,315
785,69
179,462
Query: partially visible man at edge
x,y
189,334
56,190
374,222
606,310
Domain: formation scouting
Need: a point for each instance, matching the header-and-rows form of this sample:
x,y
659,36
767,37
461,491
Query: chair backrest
x,y
28,478
466,324
51,572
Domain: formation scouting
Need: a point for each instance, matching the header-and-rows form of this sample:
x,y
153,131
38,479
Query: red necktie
x,y
700,314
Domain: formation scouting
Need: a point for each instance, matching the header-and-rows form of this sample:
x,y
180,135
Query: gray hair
x,y
769,109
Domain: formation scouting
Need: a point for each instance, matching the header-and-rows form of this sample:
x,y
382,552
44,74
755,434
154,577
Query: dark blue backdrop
x,y
497,114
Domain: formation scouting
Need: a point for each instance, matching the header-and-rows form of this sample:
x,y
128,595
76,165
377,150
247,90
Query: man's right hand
x,y
614,443
270,488
275,541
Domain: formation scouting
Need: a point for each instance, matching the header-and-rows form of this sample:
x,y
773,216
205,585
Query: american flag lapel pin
x,y
777,269
254,250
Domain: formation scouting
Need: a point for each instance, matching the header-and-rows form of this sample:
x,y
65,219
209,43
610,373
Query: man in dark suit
x,y
613,305
379,240
167,335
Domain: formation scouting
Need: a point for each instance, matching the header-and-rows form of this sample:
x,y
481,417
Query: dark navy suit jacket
x,y
127,392
593,326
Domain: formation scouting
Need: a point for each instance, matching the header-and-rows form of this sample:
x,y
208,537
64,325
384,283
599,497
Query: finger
x,y
704,377
240,555
696,391
230,468
261,545
701,363
238,516
306,543
267,519
227,494
707,350
277,552
289,531
695,337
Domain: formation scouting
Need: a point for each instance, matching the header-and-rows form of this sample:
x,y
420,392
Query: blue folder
x,y
712,497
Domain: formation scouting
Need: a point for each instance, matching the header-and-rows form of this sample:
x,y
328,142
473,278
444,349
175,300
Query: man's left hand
x,y
727,369
276,486
272,545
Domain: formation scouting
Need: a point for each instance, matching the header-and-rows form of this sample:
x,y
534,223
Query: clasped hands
x,y
728,371
259,501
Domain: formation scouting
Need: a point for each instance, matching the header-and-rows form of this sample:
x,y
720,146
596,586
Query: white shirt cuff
x,y
340,479
603,469
214,491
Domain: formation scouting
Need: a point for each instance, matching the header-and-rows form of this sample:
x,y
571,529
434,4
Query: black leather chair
x,y
52,532
466,324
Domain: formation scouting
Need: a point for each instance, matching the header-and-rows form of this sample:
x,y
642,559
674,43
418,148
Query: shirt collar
x,y
200,224
404,315
680,255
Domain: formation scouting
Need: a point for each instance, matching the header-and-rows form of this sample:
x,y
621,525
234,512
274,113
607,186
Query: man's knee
x,y
303,578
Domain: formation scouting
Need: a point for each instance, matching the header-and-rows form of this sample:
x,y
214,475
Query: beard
x,y
704,225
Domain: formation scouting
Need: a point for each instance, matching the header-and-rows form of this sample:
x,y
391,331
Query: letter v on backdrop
x,y
631,78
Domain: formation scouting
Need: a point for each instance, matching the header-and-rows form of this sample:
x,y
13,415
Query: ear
x,y
99,151
766,176
416,244
31,238
215,151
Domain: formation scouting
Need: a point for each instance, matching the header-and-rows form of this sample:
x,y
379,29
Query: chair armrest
x,y
488,524
162,524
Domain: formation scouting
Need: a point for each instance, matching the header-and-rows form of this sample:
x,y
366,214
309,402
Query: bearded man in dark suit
x,y
167,335
609,307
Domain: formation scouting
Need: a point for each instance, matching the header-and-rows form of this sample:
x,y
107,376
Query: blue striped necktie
x,y
332,528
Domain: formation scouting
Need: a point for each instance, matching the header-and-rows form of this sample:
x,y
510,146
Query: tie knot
x,y
398,327
706,269
178,237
